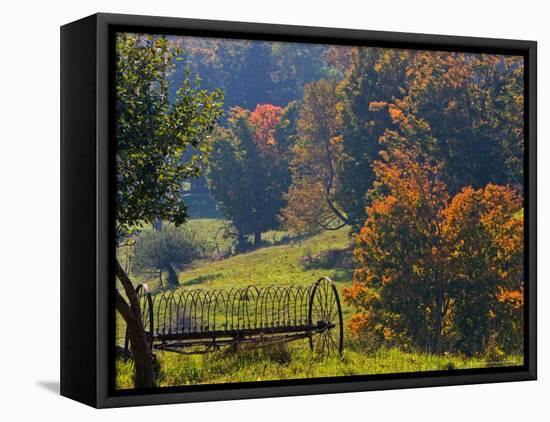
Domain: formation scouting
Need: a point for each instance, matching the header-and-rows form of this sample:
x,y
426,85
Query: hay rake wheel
x,y
325,313
197,321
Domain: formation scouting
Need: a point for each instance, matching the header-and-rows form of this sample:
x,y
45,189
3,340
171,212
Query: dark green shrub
x,y
165,252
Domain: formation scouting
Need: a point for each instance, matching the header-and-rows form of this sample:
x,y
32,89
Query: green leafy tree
x,y
375,78
166,251
294,66
152,135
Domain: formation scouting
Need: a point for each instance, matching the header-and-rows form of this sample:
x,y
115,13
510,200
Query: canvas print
x,y
289,211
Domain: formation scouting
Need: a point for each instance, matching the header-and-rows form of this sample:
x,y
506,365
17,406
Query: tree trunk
x,y
257,239
161,283
241,243
157,225
145,376
173,281
438,325
438,347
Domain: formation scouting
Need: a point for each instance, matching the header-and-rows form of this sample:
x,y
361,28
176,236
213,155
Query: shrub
x,y
166,251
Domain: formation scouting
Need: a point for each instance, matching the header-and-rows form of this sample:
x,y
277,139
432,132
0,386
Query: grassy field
x,y
280,264
296,263
292,362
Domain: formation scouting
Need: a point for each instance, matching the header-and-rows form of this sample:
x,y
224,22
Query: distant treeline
x,y
463,112
257,72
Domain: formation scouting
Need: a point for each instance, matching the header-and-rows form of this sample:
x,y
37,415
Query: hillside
x,y
297,263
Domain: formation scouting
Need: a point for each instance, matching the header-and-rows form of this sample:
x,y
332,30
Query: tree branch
x,y
123,308
128,288
328,187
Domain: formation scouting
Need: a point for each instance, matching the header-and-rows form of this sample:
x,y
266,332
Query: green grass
x,y
296,263
280,264
292,363
271,265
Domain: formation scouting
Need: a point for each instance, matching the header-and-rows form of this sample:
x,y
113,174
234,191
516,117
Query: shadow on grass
x,y
343,275
329,259
201,279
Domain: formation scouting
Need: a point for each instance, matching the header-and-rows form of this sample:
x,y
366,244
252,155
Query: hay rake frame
x,y
193,321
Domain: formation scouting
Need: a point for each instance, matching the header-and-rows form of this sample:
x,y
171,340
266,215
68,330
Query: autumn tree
x,y
399,285
466,112
339,57
153,132
375,78
436,273
248,171
340,127
316,157
484,231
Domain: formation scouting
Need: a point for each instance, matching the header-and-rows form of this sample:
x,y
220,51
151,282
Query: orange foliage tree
x,y
484,231
316,156
264,120
435,273
465,111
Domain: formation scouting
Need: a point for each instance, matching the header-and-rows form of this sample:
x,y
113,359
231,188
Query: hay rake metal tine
x,y
200,320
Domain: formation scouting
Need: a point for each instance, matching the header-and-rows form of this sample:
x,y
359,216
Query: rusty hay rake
x,y
199,321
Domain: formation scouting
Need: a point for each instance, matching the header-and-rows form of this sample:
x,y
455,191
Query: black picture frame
x,y
87,245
